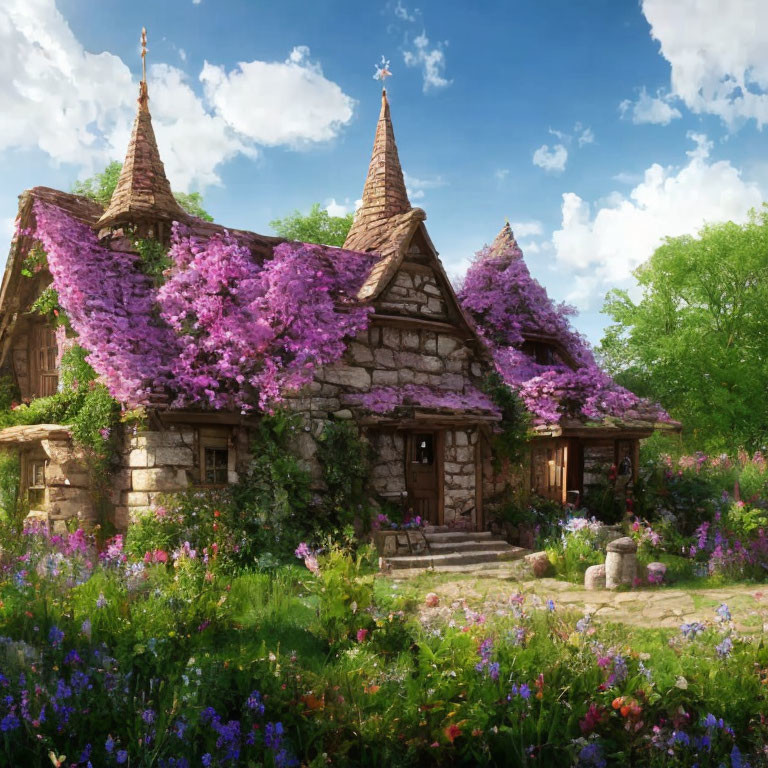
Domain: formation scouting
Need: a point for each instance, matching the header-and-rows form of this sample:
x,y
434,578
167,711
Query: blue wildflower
x,y
206,759
724,649
109,745
723,613
9,723
592,755
550,605
122,757
55,636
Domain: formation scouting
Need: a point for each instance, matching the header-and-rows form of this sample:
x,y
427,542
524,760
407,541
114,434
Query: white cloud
x,y
530,247
78,107
501,173
624,177
431,61
587,136
600,250
551,160
716,51
649,109
192,142
273,103
335,208
404,14
416,187
526,228
56,96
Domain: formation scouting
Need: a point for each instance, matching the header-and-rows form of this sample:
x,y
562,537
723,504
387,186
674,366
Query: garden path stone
x,y
656,608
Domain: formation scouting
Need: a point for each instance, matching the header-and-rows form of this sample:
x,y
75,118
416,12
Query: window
x,y
216,466
424,452
214,455
36,484
542,352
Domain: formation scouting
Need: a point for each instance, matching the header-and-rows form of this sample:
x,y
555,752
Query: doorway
x,y
424,475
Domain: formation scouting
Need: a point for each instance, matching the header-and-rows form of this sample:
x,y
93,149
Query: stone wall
x,y
157,462
388,471
460,477
414,290
68,489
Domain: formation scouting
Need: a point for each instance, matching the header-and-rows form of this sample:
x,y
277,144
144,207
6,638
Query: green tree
x,y
100,187
697,340
317,226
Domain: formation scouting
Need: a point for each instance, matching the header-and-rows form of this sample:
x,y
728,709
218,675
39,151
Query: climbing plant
x,y
345,459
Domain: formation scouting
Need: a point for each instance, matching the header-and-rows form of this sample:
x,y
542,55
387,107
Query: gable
x,y
419,287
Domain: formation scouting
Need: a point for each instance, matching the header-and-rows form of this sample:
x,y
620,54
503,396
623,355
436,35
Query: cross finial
x,y
382,71
143,54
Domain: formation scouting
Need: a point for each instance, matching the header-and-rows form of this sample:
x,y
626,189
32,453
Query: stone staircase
x,y
452,551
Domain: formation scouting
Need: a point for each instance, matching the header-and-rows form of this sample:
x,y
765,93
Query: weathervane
x,y
144,54
382,71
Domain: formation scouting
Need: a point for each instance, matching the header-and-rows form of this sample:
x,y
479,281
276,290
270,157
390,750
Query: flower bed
x,y
176,656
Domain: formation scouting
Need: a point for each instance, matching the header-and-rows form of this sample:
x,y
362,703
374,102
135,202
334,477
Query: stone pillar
x,y
621,563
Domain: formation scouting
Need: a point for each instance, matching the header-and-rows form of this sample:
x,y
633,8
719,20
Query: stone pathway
x,y
649,608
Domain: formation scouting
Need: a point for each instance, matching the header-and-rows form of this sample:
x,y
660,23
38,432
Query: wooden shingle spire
x,y
143,197
505,244
384,193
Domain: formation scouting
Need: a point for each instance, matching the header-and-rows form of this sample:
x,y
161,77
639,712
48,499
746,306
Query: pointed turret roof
x,y
143,193
505,243
384,193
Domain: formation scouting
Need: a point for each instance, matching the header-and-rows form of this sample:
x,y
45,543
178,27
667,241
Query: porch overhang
x,y
32,433
622,429
421,419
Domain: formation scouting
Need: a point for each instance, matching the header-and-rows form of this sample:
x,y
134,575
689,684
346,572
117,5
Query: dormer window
x,y
542,352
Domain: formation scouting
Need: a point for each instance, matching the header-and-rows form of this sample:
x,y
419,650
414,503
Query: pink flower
x,y
432,600
362,634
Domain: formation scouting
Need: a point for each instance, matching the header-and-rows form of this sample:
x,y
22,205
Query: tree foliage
x,y
100,187
697,340
317,226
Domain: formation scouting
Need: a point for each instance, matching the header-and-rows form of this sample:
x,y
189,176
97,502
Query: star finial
x,y
382,71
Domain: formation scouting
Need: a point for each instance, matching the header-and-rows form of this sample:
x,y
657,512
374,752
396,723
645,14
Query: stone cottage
x,y
411,381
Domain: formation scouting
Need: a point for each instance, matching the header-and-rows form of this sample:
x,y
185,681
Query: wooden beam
x,y
227,418
425,420
418,323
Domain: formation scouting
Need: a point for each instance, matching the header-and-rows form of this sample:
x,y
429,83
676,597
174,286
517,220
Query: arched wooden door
x,y
424,475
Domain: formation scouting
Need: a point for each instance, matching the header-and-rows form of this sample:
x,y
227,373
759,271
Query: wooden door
x,y
43,354
549,469
423,473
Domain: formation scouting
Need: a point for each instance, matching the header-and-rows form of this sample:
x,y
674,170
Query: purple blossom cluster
x,y
246,328
386,399
224,331
509,307
109,303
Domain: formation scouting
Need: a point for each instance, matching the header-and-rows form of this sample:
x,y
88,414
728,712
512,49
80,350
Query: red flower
x,y
452,732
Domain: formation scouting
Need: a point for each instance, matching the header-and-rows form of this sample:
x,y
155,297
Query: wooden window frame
x,y
30,471
213,439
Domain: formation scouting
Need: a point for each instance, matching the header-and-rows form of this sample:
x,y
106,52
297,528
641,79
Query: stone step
x,y
502,569
456,558
461,536
471,545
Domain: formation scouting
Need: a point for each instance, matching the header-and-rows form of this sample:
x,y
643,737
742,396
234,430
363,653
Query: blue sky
x,y
596,127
